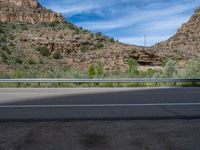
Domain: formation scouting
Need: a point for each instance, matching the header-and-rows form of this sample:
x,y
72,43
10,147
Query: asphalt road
x,y
95,103
101,135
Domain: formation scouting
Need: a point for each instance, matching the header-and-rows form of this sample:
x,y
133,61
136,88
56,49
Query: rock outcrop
x,y
26,11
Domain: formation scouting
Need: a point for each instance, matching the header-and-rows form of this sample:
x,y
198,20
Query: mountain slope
x,y
27,26
186,41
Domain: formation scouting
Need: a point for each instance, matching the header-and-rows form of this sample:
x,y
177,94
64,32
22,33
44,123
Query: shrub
x,y
3,39
44,51
1,30
3,57
112,40
61,36
57,55
31,61
164,62
99,34
148,73
99,69
11,37
99,45
84,48
53,24
18,60
170,69
6,49
13,26
192,70
24,27
72,27
132,67
91,71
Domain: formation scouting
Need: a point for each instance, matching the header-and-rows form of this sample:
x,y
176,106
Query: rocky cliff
x,y
26,11
186,40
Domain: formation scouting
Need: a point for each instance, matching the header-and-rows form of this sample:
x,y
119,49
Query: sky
x,y
127,20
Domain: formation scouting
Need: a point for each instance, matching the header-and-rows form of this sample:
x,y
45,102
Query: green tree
x,y
91,71
132,67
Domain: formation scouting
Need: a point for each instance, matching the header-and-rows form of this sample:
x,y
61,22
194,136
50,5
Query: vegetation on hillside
x,y
41,63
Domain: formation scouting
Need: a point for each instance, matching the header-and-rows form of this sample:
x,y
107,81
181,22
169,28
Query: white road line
x,y
99,105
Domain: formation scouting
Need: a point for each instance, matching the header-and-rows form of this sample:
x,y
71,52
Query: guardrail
x,y
131,80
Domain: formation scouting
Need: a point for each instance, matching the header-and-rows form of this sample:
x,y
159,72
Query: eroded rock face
x,y
26,11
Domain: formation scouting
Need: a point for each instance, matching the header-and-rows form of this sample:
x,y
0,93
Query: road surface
x,y
99,103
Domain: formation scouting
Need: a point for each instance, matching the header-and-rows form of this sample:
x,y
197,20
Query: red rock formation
x,y
26,11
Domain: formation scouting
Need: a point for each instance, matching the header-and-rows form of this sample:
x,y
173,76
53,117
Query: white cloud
x,y
136,17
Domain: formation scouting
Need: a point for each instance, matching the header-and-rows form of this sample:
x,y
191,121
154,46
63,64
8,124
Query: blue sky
x,y
127,20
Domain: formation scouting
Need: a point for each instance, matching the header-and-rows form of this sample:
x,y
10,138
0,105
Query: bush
x,y
31,61
99,45
73,27
84,48
99,34
132,67
24,27
192,70
148,73
3,39
18,60
11,37
57,55
170,69
44,51
3,57
53,24
1,30
13,26
112,40
91,71
6,49
61,36
99,69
